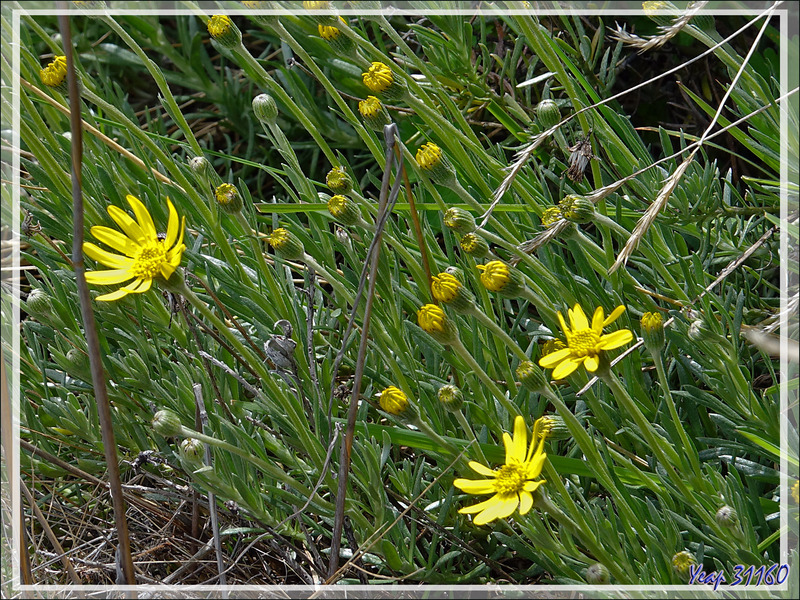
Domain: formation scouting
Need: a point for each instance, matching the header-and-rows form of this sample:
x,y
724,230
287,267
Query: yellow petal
x,y
563,323
530,486
112,277
500,508
552,359
614,315
520,439
536,464
143,217
139,286
127,224
615,340
577,318
480,486
120,293
115,261
114,239
481,470
477,507
592,362
509,444
172,225
566,367
597,320
525,502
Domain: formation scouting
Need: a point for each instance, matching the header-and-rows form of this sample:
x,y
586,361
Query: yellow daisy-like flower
x,y
551,215
370,106
429,156
145,255
219,25
445,287
54,74
393,400
585,342
378,78
512,484
431,319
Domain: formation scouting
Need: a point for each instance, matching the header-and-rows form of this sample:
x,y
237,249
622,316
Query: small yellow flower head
x,y
286,244
459,220
435,165
576,209
554,427
531,376
551,216
548,114
344,210
374,113
143,255
727,516
447,289
551,346
585,342
224,32
339,181
513,484
228,198
265,109
682,562
451,397
393,401
497,276
341,43
597,574
474,245
796,492
653,331
434,322
167,423
380,80
54,75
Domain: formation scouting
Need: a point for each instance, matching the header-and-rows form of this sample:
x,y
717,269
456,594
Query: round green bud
x,y
228,198
727,516
339,181
474,245
576,209
344,210
548,114
200,166
653,331
459,220
286,244
531,376
223,31
192,451
597,574
451,397
78,360
265,108
38,303
167,423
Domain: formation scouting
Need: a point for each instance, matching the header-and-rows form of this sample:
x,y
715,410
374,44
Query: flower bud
x,y
435,164
375,115
394,401
682,562
576,209
380,80
228,198
38,303
265,108
192,451
551,346
459,220
339,181
548,114
224,32
653,331
497,276
531,376
474,245
727,517
344,210
554,427
339,42
200,166
78,362
286,244
435,323
54,75
167,423
447,289
551,216
597,574
451,397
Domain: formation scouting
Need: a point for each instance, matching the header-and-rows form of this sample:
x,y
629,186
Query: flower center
x,y
510,479
149,260
583,342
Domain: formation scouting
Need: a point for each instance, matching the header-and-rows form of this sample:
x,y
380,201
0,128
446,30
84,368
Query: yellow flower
x,y
584,343
551,215
369,107
497,276
344,210
474,245
228,198
445,287
286,244
378,78
54,74
512,484
393,400
146,256
682,562
796,492
222,29
328,32
431,319
653,331
429,156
